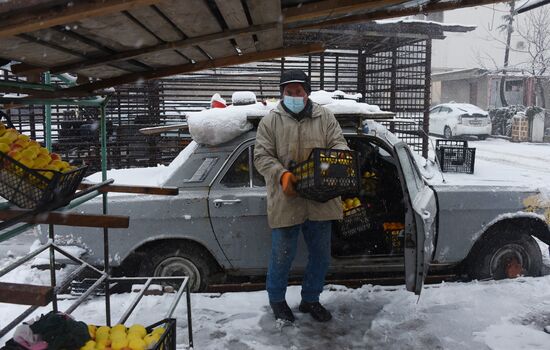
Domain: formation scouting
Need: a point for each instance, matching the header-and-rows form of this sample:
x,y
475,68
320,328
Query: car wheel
x,y
482,137
447,133
506,255
169,260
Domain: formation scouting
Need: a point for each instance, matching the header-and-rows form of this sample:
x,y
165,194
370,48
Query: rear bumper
x,y
472,130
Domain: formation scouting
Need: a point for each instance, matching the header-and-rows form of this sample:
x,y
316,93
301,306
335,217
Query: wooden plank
x,y
384,14
235,17
263,11
70,219
153,130
157,49
187,68
164,191
25,294
195,19
40,19
331,8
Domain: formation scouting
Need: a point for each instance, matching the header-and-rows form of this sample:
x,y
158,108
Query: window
x,y
239,173
202,171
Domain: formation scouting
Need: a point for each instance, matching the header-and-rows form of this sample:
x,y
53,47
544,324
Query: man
x,y
286,135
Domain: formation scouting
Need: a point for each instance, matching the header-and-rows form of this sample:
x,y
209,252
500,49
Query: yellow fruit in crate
x,y
21,142
118,344
103,332
26,161
151,339
349,203
356,202
137,344
5,140
11,134
2,129
44,158
44,150
15,154
28,153
90,345
118,335
159,331
92,329
118,327
4,148
138,329
55,165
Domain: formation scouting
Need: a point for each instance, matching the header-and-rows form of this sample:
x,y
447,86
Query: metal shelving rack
x,y
17,221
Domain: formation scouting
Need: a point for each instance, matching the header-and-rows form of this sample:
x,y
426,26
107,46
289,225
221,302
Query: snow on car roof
x,y
348,105
464,107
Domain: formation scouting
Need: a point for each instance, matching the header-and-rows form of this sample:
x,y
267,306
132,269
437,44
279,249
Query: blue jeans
x,y
283,250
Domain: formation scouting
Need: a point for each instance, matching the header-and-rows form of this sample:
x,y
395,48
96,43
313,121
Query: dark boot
x,y
282,311
316,310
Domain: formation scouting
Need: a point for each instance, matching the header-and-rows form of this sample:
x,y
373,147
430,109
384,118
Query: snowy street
x,y
496,315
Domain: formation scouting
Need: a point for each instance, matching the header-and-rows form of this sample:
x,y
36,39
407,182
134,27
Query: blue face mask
x,y
295,104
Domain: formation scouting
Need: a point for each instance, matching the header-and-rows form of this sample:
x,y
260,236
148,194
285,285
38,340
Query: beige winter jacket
x,y
281,139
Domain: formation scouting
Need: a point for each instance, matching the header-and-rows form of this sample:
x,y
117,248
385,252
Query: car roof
x,y
465,107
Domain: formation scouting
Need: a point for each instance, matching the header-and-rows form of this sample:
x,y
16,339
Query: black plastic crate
x,y
327,174
355,221
30,189
456,159
167,340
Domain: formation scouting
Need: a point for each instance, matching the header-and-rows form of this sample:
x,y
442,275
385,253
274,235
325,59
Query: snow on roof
x,y
345,106
243,98
465,107
219,125
419,21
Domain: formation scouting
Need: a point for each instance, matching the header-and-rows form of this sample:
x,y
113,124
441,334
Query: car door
x,y
419,223
238,211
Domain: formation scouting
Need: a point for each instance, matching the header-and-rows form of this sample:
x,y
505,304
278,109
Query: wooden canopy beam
x,y
25,294
36,19
192,67
126,55
399,12
331,8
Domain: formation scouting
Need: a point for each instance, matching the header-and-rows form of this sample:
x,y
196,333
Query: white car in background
x,y
459,119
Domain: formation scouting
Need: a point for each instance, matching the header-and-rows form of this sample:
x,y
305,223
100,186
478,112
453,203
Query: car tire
x,y
181,259
502,254
447,133
482,137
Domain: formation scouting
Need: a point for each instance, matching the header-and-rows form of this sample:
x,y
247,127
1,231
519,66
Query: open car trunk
x,y
390,221
374,222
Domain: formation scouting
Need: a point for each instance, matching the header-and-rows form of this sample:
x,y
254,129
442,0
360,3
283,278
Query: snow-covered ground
x,y
496,315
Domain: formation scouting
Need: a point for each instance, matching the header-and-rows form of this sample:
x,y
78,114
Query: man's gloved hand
x,y
288,180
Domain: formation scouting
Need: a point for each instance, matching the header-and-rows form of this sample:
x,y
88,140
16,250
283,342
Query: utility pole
x,y
509,31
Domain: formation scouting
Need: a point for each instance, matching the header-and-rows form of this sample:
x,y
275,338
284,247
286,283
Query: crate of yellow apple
x,y
137,337
31,176
355,220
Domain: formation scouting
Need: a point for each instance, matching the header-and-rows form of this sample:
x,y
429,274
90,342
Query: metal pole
x,y
52,266
189,324
427,97
47,117
105,230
